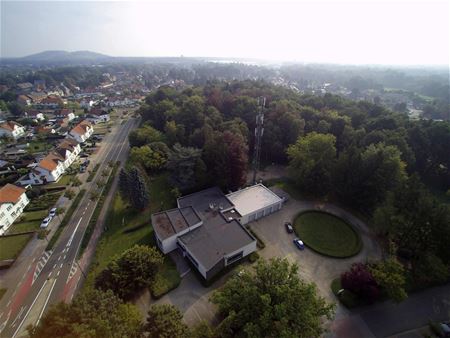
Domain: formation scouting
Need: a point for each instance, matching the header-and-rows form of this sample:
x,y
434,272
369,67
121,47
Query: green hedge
x,y
65,220
259,242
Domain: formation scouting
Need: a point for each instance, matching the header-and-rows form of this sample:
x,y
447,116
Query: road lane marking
x,y
8,303
46,302
59,258
64,257
54,266
49,274
58,273
69,243
61,265
29,309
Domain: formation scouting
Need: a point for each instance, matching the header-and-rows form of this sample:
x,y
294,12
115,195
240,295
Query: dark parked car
x,y
299,244
289,227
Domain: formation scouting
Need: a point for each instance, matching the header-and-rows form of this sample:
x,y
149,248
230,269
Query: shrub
x,y
253,257
359,280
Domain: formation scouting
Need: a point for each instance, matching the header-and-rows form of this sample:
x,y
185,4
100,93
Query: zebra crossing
x,y
41,263
73,271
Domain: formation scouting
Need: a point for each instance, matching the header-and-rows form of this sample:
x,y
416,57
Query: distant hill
x,y
64,56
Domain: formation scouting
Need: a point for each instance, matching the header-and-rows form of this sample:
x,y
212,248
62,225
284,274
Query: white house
x,y
82,131
69,150
98,116
49,169
35,115
12,202
65,114
12,129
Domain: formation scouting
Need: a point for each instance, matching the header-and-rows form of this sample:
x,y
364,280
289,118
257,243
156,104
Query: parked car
x,y
82,169
289,227
45,222
85,163
52,212
299,244
83,155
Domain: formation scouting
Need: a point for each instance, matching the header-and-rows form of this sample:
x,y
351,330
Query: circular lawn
x,y
327,234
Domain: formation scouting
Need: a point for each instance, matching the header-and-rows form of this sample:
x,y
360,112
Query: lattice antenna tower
x,y
259,131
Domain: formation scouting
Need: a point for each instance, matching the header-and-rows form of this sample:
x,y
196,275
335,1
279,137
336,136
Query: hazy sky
x,y
377,32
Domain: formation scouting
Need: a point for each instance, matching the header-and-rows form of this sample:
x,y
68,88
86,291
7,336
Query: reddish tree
x,y
360,281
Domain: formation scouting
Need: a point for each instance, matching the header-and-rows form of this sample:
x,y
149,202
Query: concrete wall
x,y
261,213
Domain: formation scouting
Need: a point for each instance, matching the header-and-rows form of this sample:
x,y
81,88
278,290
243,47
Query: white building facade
x,y
12,202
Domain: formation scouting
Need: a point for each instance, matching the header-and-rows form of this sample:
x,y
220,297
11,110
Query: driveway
x,y
313,266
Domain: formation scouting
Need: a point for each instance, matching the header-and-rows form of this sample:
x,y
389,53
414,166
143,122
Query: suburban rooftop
x,y
252,198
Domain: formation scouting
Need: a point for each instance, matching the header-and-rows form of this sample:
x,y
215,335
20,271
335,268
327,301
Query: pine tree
x,y
124,183
139,196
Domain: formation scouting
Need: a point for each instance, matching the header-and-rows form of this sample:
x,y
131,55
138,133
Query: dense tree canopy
x,y
95,314
165,321
272,301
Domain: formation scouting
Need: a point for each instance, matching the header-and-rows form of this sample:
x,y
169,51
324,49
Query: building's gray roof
x,y
212,241
170,222
202,199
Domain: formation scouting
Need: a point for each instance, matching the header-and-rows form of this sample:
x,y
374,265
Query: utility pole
x,y
259,131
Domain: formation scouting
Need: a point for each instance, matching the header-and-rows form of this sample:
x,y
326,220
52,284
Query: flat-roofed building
x,y
255,202
207,227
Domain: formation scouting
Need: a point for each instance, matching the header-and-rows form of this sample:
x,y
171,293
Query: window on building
x,y
235,257
9,208
2,215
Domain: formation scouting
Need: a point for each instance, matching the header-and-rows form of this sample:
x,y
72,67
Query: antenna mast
x,y
259,131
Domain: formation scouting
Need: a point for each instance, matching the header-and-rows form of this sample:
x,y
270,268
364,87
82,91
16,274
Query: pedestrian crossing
x,y
41,263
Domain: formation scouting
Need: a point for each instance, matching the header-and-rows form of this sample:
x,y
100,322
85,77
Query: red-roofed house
x,y
12,202
11,129
82,131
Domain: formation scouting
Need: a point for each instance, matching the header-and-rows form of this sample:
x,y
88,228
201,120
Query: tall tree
x,y
165,321
186,167
390,275
138,192
130,272
312,159
271,302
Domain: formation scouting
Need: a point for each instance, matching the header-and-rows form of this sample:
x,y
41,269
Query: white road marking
x,y
58,273
59,258
46,302
29,309
49,274
64,257
54,266
73,234
8,303
20,314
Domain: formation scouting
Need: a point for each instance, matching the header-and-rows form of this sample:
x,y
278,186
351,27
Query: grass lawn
x,y
327,234
126,228
38,215
11,246
16,228
347,298
39,147
63,181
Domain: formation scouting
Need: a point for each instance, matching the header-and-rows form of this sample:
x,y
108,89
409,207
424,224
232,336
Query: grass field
x,y
38,215
39,147
327,234
16,228
11,246
126,228
63,181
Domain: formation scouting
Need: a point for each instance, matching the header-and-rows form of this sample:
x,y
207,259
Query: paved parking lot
x,y
313,267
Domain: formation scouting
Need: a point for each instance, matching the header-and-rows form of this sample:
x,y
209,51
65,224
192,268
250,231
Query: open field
x,y
11,246
327,234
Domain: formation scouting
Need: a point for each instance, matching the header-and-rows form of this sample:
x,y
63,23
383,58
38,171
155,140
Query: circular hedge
x,y
327,234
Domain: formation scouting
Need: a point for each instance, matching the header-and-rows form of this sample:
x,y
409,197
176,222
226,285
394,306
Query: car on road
x,y
82,169
289,227
45,222
52,212
299,244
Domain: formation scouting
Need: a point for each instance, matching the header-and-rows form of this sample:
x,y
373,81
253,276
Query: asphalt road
x,y
55,276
